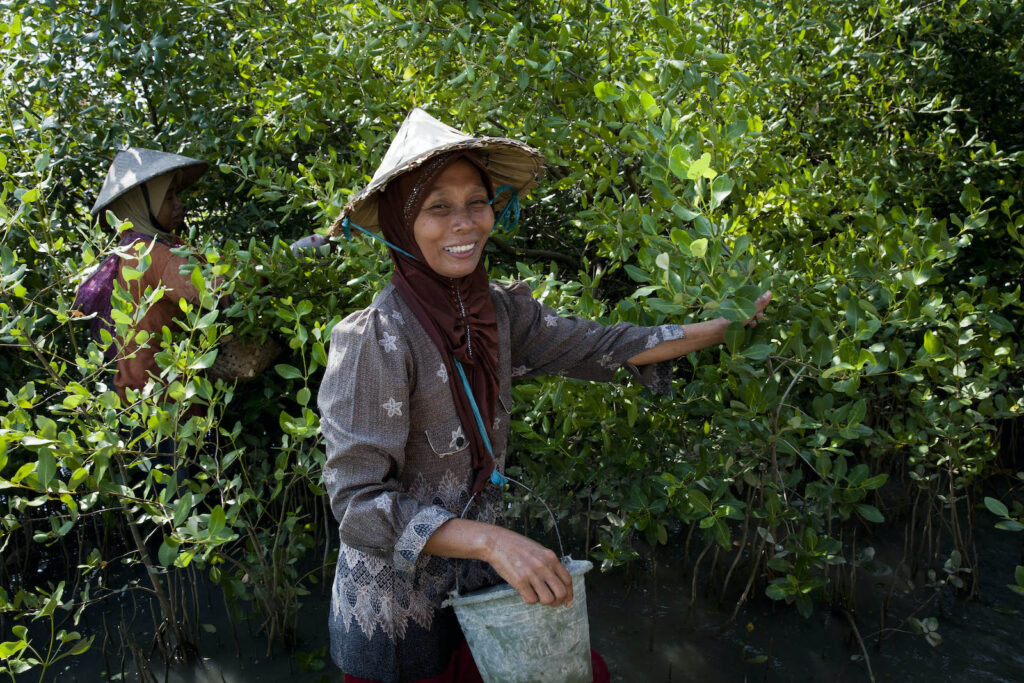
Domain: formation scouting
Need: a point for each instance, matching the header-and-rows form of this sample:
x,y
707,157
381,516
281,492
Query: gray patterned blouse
x,y
398,464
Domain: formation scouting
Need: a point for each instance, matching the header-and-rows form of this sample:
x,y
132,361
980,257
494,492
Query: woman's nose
x,y
462,218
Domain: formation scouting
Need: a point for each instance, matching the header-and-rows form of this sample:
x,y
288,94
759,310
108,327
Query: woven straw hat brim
x,y
508,161
133,166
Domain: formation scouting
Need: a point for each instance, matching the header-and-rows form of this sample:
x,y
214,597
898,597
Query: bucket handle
x,y
498,478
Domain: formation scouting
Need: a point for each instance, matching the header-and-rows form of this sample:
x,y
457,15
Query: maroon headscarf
x,y
457,313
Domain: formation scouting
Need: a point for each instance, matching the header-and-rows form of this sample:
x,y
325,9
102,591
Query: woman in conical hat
x,y
415,404
142,187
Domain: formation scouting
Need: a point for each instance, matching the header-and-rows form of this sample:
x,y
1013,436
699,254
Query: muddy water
x,y
648,630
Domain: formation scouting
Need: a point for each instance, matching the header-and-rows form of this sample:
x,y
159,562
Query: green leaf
x,y
42,161
606,92
721,188
679,162
46,467
735,336
701,167
699,247
931,343
217,520
168,551
82,646
288,371
756,352
182,508
970,199
996,507
717,61
636,274
684,213
698,500
197,279
737,309
205,361
303,396
662,261
775,591
870,513
666,307
649,105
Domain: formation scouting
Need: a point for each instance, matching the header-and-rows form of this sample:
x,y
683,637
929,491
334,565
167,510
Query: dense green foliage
x,y
863,160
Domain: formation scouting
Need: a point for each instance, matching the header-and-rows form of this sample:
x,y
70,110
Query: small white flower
x,y
383,502
398,316
653,340
443,373
388,342
520,371
392,406
551,320
458,438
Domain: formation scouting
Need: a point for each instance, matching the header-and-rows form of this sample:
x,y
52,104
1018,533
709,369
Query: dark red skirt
x,y
462,669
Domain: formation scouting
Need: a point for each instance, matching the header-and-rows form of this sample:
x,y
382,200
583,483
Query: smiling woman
x,y
415,405
456,220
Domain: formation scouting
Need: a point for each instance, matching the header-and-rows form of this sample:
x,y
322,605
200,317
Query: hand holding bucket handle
x,y
533,570
526,565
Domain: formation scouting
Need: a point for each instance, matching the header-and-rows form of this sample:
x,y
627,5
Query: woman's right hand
x,y
530,568
526,565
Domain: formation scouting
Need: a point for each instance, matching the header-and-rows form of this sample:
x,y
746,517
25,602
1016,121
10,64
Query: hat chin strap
x,y
509,216
149,207
347,224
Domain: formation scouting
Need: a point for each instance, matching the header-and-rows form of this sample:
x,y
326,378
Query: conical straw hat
x,y
423,137
135,165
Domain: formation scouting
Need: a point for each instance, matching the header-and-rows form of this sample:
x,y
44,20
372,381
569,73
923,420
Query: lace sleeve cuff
x,y
417,532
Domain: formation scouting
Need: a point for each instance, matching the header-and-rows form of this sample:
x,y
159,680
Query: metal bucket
x,y
513,642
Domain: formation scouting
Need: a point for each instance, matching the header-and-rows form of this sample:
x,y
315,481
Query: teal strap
x,y
476,411
346,224
509,216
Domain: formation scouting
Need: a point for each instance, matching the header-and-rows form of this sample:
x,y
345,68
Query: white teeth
x,y
460,250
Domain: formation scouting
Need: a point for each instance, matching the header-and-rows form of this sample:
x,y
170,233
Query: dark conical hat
x,y
136,165
423,137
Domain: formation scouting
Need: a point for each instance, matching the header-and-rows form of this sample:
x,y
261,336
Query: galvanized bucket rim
x,y
503,590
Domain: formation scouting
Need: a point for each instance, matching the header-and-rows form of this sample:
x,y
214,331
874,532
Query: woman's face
x,y
172,213
454,221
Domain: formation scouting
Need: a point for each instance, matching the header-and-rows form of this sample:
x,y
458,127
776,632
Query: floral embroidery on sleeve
x,y
443,374
389,342
393,407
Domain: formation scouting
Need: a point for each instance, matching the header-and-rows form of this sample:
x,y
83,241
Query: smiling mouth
x,y
461,249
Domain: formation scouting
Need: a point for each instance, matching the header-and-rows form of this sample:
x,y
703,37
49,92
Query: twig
x,y
863,650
